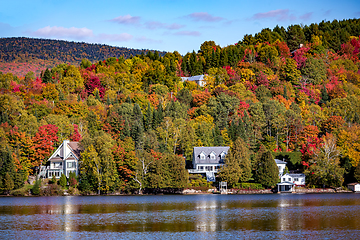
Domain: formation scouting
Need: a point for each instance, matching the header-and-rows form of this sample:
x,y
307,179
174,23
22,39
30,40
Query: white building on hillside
x,y
208,160
64,160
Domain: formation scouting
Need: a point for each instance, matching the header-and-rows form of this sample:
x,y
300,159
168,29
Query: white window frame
x,y
73,164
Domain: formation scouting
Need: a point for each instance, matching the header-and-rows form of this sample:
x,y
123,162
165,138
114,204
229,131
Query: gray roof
x,y
295,174
207,150
196,78
280,162
193,78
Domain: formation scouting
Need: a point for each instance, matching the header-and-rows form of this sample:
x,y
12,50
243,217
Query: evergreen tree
x,y
84,185
47,76
218,140
267,172
148,118
237,166
36,188
8,183
324,95
62,180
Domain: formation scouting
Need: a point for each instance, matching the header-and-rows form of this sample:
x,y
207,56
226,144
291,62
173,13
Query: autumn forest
x,y
287,93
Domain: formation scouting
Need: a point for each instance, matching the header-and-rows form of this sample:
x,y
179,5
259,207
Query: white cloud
x,y
60,32
127,19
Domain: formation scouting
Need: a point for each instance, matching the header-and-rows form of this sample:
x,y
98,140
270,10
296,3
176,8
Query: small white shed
x,y
355,187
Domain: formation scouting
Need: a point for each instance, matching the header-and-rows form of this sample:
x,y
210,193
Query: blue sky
x,y
162,25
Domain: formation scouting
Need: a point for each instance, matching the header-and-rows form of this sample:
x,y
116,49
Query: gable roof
x,y
66,150
207,151
280,162
294,175
75,147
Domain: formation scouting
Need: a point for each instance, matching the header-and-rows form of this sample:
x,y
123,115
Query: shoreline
x,y
190,191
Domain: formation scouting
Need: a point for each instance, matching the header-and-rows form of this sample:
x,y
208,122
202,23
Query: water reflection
x,y
206,220
207,215
287,220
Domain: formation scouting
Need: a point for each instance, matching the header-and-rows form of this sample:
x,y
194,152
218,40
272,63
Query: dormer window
x,y
212,156
202,156
222,156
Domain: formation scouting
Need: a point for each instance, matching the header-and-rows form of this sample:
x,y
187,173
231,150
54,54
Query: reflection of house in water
x,y
286,219
206,217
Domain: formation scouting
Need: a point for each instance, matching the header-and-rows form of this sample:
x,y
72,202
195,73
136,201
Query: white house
x,y
208,160
199,79
355,187
64,160
281,166
289,181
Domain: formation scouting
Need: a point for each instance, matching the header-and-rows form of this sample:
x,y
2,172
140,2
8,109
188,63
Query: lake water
x,y
274,216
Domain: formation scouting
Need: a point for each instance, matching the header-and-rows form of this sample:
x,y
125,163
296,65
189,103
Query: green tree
x,y
63,180
47,76
36,188
237,167
289,71
266,170
168,172
8,183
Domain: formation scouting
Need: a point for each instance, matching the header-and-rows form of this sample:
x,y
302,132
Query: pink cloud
x,y
78,33
174,26
204,16
188,33
115,37
156,25
280,15
306,16
127,19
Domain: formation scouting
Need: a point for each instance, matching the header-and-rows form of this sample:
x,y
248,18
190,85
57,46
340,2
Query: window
x,y
208,168
289,179
200,168
58,165
212,156
57,174
50,174
202,156
284,179
71,164
296,179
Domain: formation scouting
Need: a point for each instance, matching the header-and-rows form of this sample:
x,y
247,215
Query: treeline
x,y
21,48
137,120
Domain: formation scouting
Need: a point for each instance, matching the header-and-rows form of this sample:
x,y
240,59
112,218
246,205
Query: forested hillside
x,y
44,53
289,93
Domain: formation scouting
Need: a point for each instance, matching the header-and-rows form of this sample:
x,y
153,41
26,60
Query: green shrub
x,y
63,180
36,188
53,179
249,186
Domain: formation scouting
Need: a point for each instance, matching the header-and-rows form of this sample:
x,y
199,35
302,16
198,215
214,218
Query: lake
x,y
208,216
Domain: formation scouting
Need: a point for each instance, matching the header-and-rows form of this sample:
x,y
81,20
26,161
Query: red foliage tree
x,y
75,136
92,83
44,142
